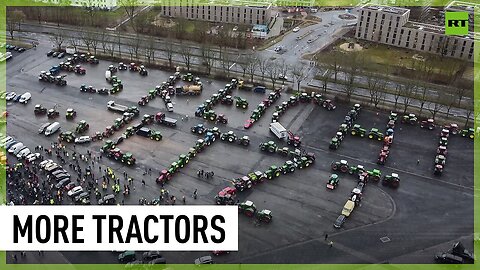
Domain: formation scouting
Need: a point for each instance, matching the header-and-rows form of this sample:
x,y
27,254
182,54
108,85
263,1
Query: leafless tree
x,y
422,97
245,61
449,100
468,114
95,42
460,93
14,20
396,95
134,47
299,73
87,39
263,67
435,106
226,62
208,57
129,6
324,75
74,42
376,88
58,38
119,43
407,91
351,71
169,51
252,68
104,39
334,63
186,53
274,70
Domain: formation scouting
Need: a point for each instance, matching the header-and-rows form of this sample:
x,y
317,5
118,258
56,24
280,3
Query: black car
x,y
62,183
158,261
50,53
83,195
107,200
61,55
339,221
150,255
55,54
459,250
103,91
12,47
20,50
448,258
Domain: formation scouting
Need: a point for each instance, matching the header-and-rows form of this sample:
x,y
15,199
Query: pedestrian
x,y
195,194
150,171
74,147
201,172
187,101
184,199
330,244
24,254
418,161
173,200
143,182
326,236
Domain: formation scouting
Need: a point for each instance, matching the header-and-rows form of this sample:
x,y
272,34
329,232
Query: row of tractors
x,y
116,83
302,98
430,124
83,58
348,123
211,135
223,96
387,139
163,90
262,107
440,158
132,67
102,91
375,175
50,78
77,69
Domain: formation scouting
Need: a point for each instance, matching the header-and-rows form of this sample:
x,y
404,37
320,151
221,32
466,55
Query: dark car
x,y
107,200
127,256
55,54
20,50
62,183
50,53
144,132
119,140
448,258
459,250
339,221
61,55
158,261
150,255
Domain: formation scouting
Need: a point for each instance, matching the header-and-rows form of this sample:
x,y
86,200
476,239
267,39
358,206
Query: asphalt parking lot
x,y
424,211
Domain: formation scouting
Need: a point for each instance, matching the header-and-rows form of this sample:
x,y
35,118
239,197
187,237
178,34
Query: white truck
x,y
279,131
70,50
116,107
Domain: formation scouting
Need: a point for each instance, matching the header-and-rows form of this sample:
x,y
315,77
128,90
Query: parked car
x,y
33,157
75,191
448,258
23,153
127,256
11,96
296,29
25,98
204,260
83,139
150,255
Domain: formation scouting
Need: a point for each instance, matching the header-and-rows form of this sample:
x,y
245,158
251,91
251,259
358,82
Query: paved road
x,y
419,215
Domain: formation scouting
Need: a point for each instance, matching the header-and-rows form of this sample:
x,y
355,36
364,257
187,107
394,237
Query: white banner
x,y
139,228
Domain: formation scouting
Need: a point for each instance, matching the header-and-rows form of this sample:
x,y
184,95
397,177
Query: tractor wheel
x,y
222,138
370,136
181,165
277,174
471,136
353,133
249,212
230,139
245,143
307,164
334,167
269,177
344,169
200,132
292,169
244,106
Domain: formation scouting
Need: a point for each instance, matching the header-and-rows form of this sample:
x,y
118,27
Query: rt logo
x,y
456,23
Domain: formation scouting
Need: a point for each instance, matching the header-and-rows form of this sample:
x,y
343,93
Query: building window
x,y
393,41
407,44
383,16
422,48
394,35
365,35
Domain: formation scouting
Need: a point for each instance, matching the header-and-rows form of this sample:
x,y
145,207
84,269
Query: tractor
x,y
210,115
116,88
445,133
443,141
143,101
155,135
393,117
410,119
257,177
343,128
267,102
264,216
128,159
357,170
453,128
470,133
128,117
183,160
229,136
79,70
357,130
341,165
318,99
340,135
328,104
241,103
288,167
242,183
293,100
97,137
225,198
357,107
442,150
245,140
375,134
333,182
108,132
133,67
82,127
52,113
247,208
275,117
122,66
164,177
187,77
391,124
39,110
382,157
118,124
209,138
199,145
293,139
216,132
113,69
66,136
215,98
272,172
270,146
60,80
392,180
143,71
428,124
440,160
227,100
334,143
200,110
93,60
348,120
222,119
389,132
148,119
103,91
256,114
107,146
304,162
173,168
191,153
375,175
305,98
438,170
353,114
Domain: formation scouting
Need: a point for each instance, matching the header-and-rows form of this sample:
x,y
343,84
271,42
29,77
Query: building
x,y
295,3
82,3
247,15
391,26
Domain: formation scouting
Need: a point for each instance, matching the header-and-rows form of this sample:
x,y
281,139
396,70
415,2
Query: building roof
x,y
260,27
462,6
437,29
393,10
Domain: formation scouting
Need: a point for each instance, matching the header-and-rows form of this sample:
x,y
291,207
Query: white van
x,y
15,147
170,107
25,98
52,129
19,149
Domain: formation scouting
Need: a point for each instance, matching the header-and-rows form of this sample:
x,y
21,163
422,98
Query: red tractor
x,y
165,176
133,67
108,132
442,150
382,157
428,124
80,70
453,128
143,101
293,139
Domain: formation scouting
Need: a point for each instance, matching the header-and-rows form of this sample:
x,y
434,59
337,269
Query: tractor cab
x,y
443,141
438,169
339,135
442,150
333,182
440,159
389,132
445,133
264,216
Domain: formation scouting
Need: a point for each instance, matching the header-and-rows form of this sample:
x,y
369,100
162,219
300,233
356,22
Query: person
x,y
330,244
195,194
326,236
143,182
184,199
418,161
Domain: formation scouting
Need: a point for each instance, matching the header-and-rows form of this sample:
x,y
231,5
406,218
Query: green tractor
x,y
210,115
392,180
82,127
357,130
183,160
70,114
470,133
241,103
393,116
67,136
305,98
318,99
333,182
200,145
229,136
257,177
115,88
375,134
152,94
256,114
148,119
272,172
270,146
128,159
288,167
155,135
443,141
118,124
343,128
107,146
248,208
264,216
304,162
192,153
187,77
334,143
275,117
173,168
374,175
357,170
129,132
341,165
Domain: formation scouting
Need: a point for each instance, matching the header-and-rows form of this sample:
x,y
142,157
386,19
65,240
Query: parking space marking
x,y
385,239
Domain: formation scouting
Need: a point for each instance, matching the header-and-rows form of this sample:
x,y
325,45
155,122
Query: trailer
x,y
116,107
279,130
160,118
191,90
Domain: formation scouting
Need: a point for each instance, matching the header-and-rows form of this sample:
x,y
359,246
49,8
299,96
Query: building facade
x,y
247,15
84,3
391,26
